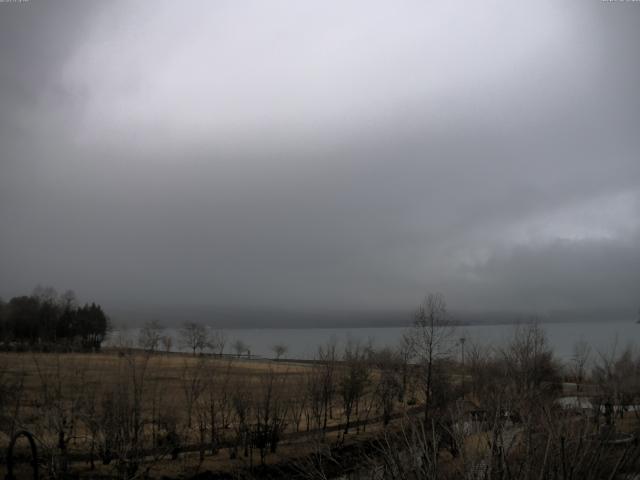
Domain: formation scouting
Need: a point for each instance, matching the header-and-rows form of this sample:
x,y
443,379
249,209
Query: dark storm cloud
x,y
562,275
298,156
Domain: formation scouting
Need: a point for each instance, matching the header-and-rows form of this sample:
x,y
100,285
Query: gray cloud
x,y
344,156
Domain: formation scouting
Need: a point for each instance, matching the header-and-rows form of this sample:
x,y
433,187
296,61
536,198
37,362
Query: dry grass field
x,y
102,410
76,372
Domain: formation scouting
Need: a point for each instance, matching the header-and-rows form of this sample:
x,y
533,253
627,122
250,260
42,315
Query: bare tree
x,y
354,378
529,360
270,412
240,347
388,364
61,393
327,359
298,400
279,350
214,404
533,379
121,416
431,337
579,362
406,353
242,408
194,336
150,336
218,340
193,385
618,380
315,395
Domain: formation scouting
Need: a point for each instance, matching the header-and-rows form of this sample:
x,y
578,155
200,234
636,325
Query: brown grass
x,y
78,375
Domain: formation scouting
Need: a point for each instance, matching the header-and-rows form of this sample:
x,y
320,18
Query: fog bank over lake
x,y
235,317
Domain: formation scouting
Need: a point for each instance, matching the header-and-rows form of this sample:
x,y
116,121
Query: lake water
x,y
303,343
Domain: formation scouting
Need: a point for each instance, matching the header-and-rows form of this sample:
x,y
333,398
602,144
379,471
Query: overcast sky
x,y
331,154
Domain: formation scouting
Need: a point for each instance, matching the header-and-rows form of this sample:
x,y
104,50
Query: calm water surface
x,y
303,343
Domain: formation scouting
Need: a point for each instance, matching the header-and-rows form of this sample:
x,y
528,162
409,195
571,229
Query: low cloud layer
x,y
345,155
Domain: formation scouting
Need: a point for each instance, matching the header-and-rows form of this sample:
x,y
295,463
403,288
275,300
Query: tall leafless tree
x,y
579,362
327,358
150,336
217,342
354,377
431,341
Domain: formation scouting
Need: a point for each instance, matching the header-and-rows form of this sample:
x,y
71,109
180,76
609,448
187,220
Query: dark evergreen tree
x,y
45,320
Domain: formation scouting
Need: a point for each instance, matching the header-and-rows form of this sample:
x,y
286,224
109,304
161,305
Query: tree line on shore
x,y
192,337
48,321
